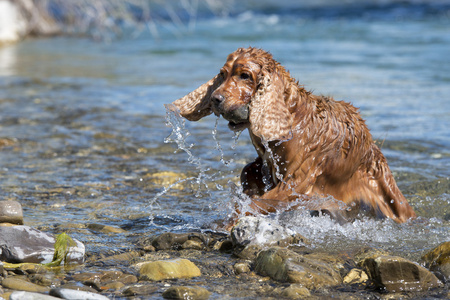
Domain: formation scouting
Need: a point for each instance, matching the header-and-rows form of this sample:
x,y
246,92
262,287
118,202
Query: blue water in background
x,y
389,58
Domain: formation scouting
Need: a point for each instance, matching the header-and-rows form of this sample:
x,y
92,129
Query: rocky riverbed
x,y
257,260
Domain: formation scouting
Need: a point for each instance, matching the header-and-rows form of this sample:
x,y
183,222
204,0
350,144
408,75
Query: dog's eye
x,y
245,76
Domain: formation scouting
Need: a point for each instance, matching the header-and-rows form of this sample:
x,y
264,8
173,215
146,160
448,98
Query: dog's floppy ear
x,y
197,104
269,116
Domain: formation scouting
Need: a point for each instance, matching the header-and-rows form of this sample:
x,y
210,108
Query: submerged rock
x,y
438,260
168,269
288,266
397,274
177,241
105,279
186,292
105,228
139,289
21,243
295,291
11,212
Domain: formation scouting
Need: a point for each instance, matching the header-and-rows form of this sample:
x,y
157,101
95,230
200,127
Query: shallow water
x,y
85,138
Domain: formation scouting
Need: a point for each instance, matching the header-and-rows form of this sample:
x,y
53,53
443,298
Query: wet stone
x,y
128,279
117,285
11,212
31,269
368,252
260,231
105,228
123,257
355,276
139,289
83,277
70,294
396,274
45,279
168,269
251,234
186,292
438,260
287,266
249,252
192,244
175,241
295,291
223,246
78,287
240,268
25,244
105,279
111,275
22,295
23,285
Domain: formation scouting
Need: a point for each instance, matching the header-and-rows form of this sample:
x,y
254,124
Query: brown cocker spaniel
x,y
309,147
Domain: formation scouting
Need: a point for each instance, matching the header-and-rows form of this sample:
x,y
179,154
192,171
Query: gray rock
x,y
21,295
258,231
11,212
397,274
251,234
25,244
288,266
70,294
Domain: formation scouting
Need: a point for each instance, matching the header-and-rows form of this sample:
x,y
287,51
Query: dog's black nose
x,y
217,98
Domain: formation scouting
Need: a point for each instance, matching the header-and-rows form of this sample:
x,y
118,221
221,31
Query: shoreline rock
x,y
20,244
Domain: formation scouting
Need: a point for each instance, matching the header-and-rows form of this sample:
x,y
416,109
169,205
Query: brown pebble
x,y
186,292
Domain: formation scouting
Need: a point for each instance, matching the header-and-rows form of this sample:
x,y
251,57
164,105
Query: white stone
x,y
22,295
13,25
70,294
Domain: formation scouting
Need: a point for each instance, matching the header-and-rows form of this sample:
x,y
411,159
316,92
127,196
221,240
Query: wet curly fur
x,y
308,146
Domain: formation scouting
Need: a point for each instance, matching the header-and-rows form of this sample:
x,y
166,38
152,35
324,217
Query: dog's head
x,y
249,92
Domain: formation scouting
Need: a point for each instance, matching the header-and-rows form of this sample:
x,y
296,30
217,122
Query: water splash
x,y
208,181
218,146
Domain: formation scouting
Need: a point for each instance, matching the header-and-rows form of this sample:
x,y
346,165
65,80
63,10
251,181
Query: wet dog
x,y
308,146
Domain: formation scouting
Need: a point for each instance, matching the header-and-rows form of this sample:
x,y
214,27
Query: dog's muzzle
x,y
236,115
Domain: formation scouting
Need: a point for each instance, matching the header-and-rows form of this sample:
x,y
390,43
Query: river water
x,y
85,139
